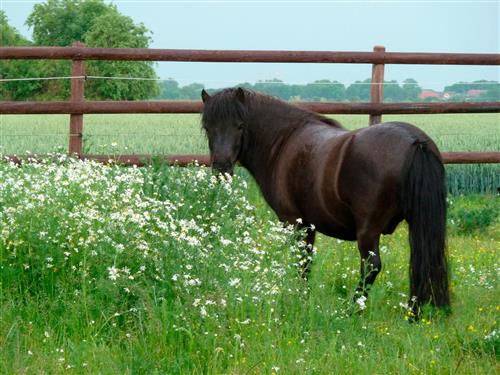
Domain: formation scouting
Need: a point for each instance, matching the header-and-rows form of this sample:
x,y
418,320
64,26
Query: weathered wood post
x,y
77,95
377,86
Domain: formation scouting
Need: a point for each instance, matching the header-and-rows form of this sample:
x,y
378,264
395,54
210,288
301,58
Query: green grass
x,y
181,134
166,271
152,133
139,134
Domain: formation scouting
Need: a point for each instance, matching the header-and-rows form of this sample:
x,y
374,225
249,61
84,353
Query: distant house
x,y
475,93
424,94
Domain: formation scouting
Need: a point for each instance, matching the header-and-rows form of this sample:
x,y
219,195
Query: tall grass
x,y
181,134
173,271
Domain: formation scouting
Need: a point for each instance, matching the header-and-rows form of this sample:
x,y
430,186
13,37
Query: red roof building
x,y
424,94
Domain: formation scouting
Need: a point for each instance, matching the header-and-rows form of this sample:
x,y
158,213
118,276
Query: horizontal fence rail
x,y
77,106
109,107
184,160
139,160
197,55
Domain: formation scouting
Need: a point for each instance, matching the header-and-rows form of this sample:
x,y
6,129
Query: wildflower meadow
x,y
169,270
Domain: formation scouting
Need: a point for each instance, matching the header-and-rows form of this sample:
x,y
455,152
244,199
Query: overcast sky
x,y
401,26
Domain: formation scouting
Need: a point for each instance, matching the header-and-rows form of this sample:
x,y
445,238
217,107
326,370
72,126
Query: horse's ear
x,y
204,95
240,94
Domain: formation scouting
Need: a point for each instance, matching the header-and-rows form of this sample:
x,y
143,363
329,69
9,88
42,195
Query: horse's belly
x,y
342,233
332,219
340,225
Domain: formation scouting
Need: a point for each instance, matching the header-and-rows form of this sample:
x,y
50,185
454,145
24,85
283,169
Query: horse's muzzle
x,y
223,167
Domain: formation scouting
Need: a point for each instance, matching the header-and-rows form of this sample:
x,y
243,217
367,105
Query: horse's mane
x,y
225,106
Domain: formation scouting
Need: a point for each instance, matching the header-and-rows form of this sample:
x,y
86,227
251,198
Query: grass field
x,y
161,270
180,134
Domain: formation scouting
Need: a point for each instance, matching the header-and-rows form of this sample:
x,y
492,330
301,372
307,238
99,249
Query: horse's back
x,y
372,173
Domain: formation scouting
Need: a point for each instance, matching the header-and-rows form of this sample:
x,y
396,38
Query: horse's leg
x,y
306,260
371,264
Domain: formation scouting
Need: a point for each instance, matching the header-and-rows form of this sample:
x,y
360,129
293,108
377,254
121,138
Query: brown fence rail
x,y
77,106
196,107
196,55
183,160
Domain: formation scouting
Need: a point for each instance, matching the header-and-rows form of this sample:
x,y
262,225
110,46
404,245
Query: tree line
x,y
327,90
97,24
320,90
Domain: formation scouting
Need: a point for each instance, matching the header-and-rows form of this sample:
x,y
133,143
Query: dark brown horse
x,y
352,185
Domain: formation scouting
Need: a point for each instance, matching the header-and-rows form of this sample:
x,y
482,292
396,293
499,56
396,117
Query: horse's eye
x,y
240,125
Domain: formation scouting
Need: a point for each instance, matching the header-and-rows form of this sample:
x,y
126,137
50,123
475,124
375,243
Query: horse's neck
x,y
264,140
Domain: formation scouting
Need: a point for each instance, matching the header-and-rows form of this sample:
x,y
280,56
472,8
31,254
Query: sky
x,y
468,26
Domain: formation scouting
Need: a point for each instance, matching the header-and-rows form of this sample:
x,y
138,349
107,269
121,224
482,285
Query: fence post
x,y
77,95
377,86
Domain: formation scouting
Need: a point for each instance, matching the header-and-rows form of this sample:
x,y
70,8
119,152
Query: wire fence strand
x,y
39,78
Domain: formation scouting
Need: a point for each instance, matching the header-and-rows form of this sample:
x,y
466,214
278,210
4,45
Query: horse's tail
x,y
424,204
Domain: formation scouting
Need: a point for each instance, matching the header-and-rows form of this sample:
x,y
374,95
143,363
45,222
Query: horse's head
x,y
223,120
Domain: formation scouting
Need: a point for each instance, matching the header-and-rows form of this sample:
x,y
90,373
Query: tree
x,y
324,90
169,89
463,87
491,94
359,91
116,30
63,22
191,91
16,90
411,89
274,87
393,92
9,36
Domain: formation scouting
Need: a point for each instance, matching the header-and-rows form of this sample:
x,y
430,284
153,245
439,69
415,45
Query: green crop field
x,y
181,134
174,134
157,270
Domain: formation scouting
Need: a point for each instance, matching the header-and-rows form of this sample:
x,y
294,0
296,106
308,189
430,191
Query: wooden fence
x,y
77,106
